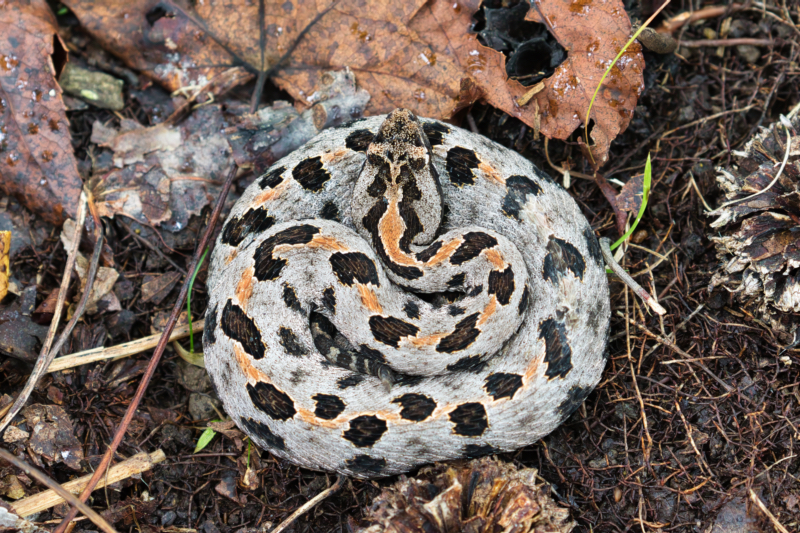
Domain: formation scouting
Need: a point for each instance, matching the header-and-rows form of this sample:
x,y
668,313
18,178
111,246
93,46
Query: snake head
x,y
399,170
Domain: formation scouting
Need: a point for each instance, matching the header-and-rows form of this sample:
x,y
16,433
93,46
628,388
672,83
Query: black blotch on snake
x,y
330,212
365,431
501,284
272,179
359,140
411,309
238,326
209,333
389,330
435,131
267,267
519,188
474,243
561,257
524,300
289,341
275,403
473,451
310,174
290,297
469,419
457,281
502,385
415,407
575,397
462,336
328,406
364,464
262,431
558,354
459,164
474,364
252,222
354,266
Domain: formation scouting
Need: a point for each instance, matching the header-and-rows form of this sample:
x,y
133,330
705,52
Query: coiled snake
x,y
401,291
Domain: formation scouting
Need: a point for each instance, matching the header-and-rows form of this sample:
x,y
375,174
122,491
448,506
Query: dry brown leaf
x,y
156,287
37,164
418,55
594,32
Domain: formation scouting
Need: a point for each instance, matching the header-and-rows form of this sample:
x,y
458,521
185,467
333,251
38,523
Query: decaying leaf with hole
x,y
37,164
756,237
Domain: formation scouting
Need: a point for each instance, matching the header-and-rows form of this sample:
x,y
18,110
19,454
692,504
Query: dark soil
x,y
660,445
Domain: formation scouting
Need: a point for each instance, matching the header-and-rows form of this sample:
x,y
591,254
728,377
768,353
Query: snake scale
x,y
400,291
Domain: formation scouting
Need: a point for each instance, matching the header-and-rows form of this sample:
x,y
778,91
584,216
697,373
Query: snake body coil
x,y
400,291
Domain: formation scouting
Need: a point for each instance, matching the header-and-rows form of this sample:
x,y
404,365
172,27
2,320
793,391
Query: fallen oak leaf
x,y
594,33
37,164
418,55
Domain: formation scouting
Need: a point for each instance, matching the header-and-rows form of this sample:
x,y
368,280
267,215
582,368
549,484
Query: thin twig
x,y
671,336
141,462
46,355
45,480
729,42
310,504
605,247
756,500
706,119
159,351
672,346
156,249
121,350
691,440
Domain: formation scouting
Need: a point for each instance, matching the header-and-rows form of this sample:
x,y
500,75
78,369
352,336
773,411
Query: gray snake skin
x,y
400,291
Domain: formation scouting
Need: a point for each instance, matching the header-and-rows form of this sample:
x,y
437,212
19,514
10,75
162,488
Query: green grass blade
x,y
648,171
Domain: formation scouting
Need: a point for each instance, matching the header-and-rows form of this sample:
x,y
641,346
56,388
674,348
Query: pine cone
x,y
482,496
759,238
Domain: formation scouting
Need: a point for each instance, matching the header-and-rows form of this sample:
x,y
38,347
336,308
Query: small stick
x,y
691,440
605,246
121,350
45,355
728,42
141,462
310,504
98,520
760,504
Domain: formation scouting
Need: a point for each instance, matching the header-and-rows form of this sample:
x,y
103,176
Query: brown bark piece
x,y
37,164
